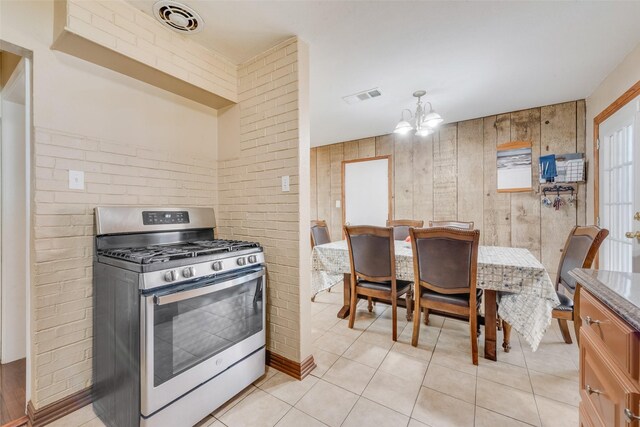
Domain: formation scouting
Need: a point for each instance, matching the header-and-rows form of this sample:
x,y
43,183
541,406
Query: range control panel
x,y
165,217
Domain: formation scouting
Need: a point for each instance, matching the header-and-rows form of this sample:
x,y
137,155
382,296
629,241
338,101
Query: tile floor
x,y
363,378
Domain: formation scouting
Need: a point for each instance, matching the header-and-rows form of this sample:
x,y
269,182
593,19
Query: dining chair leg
x,y
352,307
408,297
370,304
473,320
564,330
426,316
394,318
416,321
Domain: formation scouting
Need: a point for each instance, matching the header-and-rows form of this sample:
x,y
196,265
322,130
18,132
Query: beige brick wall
x,y
115,174
251,203
121,27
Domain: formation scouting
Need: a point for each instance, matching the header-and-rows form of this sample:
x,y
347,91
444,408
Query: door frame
x,y
389,183
631,93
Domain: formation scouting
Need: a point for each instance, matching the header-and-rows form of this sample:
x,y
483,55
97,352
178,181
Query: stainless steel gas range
x,y
179,316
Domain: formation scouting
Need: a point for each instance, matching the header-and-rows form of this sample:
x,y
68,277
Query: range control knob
x,y
170,276
189,272
241,261
253,259
217,266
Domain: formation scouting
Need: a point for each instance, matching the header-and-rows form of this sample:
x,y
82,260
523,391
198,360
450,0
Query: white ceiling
x,y
473,58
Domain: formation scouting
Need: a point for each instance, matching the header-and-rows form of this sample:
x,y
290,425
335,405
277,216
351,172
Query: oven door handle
x,y
192,293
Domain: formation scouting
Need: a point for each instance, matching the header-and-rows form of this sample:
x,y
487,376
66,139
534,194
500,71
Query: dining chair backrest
x,y
401,227
319,233
579,251
445,259
371,251
455,224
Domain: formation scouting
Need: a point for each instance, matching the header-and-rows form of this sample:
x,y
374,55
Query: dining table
x,y
516,286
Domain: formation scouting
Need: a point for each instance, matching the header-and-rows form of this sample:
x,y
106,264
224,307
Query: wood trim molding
x,y
20,422
616,105
297,370
58,409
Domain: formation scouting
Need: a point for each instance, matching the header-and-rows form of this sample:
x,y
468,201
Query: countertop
x,y
619,291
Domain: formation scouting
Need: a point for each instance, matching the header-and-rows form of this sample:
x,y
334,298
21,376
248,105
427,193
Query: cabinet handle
x,y
589,321
591,390
630,416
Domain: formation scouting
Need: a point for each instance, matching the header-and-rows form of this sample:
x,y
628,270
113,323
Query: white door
x,y
620,189
366,194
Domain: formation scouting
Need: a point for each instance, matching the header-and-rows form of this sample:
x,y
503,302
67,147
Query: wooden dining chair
x,y
445,264
373,270
455,224
401,227
319,233
579,251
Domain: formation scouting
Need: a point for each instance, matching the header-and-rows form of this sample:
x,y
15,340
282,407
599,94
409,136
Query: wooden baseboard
x,y
295,369
20,422
57,410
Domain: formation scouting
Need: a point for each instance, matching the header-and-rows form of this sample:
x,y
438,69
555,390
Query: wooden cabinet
x,y
609,387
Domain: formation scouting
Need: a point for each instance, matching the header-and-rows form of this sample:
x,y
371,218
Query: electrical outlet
x,y
337,203
285,183
76,180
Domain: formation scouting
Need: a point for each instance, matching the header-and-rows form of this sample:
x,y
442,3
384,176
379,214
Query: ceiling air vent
x,y
362,96
178,17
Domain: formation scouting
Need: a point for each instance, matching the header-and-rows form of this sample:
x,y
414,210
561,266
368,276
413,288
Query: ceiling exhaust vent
x,y
177,16
362,96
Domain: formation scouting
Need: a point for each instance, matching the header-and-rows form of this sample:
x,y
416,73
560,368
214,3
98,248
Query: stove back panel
x,y
147,239
139,219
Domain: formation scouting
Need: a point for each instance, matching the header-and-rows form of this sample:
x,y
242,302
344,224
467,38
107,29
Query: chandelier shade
x,y
422,121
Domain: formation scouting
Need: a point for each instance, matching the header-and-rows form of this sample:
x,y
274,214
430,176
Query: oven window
x,y
191,331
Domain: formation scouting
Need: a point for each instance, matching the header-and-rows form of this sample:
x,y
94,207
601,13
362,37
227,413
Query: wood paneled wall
x,y
452,175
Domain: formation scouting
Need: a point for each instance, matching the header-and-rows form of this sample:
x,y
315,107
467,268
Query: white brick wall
x,y
121,27
251,203
63,233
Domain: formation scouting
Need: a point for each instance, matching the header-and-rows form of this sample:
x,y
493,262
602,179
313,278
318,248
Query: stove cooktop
x,y
164,253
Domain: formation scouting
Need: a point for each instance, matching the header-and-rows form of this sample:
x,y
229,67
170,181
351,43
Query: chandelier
x,y
423,122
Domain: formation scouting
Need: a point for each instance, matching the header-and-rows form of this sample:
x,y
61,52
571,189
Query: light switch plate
x,y
337,203
76,180
285,183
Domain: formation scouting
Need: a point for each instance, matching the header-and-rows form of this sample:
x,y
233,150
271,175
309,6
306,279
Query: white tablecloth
x,y
527,295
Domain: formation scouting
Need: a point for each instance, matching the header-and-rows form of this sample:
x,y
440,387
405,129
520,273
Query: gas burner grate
x,y
165,253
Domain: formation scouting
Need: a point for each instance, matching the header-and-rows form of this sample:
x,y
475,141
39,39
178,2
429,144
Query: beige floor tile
x,y
77,418
350,375
393,392
379,338
556,414
297,418
487,418
365,353
324,360
514,357
552,364
504,373
440,410
507,401
415,423
257,409
288,389
210,422
404,366
327,403
268,373
421,352
237,399
455,341
556,388
342,328
369,413
95,423
460,361
449,381
427,338
334,343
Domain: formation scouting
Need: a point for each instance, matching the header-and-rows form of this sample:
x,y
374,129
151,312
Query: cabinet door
x,y
604,389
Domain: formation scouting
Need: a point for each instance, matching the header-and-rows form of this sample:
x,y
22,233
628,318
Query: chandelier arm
x,y
402,114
